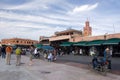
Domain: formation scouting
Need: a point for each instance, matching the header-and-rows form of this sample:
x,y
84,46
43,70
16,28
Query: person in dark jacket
x,y
107,57
3,52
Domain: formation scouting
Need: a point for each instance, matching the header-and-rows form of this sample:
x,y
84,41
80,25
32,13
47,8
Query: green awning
x,y
66,44
95,42
38,45
82,43
112,41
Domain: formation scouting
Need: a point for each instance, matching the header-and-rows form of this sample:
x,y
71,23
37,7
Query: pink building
x,y
100,37
18,41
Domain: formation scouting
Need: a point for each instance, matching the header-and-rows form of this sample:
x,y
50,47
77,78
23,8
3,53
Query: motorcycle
x,y
99,65
36,56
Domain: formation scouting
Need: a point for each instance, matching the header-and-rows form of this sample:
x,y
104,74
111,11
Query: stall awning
x,y
112,41
95,42
66,44
47,47
82,43
38,45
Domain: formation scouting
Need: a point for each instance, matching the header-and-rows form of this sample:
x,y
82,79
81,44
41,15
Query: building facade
x,y
18,41
72,35
64,36
69,35
60,39
44,40
100,37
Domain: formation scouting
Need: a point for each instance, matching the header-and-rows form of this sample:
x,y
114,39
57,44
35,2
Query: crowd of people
x,y
7,50
50,55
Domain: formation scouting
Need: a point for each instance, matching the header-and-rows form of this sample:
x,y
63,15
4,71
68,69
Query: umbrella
x,y
47,47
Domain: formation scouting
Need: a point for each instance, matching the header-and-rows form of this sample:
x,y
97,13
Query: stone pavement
x,y
43,70
83,61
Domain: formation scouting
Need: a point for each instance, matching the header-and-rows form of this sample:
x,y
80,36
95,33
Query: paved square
x,y
43,70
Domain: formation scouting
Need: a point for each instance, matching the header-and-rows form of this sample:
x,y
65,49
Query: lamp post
x,y
105,36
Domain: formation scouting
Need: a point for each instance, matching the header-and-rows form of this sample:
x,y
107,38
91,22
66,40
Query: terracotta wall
x,y
18,41
59,38
90,38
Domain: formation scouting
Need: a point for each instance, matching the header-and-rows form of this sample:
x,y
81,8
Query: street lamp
x,y
105,36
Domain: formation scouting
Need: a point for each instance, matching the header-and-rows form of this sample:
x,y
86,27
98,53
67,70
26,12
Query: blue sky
x,y
34,18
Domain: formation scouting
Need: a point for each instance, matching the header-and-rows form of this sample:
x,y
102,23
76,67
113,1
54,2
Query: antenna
x,y
114,28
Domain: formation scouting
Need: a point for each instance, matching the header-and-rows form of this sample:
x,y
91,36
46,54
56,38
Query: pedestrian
x,y
3,52
31,55
0,50
8,54
54,54
35,53
107,57
18,52
50,56
95,62
45,54
111,51
80,51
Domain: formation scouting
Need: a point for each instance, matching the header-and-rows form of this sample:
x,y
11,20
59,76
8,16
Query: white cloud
x,y
26,30
32,5
84,8
40,19
29,21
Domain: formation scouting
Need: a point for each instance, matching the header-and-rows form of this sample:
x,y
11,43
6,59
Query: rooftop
x,y
68,31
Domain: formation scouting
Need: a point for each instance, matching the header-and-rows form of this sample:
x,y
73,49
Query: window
x,y
17,41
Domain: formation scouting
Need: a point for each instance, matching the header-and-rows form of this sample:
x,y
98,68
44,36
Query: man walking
x,y
8,54
18,56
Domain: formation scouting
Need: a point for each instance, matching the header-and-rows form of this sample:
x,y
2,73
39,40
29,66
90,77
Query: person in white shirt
x,y
80,51
50,57
36,53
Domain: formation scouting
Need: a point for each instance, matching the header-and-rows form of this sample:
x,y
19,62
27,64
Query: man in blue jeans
x,y
94,60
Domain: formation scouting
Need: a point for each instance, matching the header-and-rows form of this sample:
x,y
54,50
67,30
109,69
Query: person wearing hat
x,y
8,54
